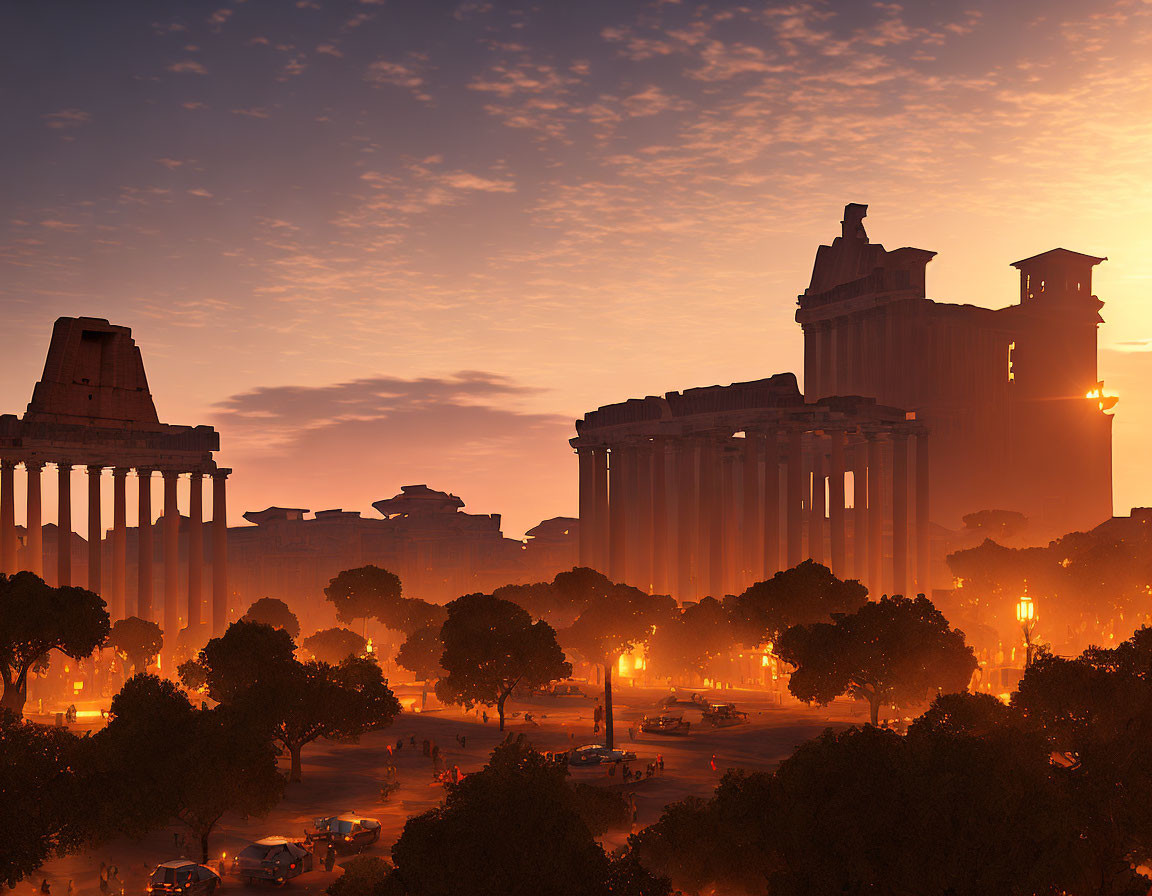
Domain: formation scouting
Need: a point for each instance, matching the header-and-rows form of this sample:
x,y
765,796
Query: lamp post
x,y
1026,616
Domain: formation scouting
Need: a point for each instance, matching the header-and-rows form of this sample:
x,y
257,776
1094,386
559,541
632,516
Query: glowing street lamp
x,y
1026,616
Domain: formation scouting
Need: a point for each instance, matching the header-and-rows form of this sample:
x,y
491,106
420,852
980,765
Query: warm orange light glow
x,y
1025,610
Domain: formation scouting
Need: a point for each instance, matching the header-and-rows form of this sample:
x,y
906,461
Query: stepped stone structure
x,y
92,409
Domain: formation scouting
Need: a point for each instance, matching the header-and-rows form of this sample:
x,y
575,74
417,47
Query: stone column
x,y
119,543
684,454
717,510
752,554
95,533
600,510
35,526
923,518
642,492
875,514
617,515
196,547
836,504
171,530
771,522
728,553
794,498
900,513
64,525
7,516
587,464
144,548
661,528
707,504
860,510
817,502
219,551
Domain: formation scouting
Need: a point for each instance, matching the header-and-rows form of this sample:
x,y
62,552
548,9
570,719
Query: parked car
x,y
724,715
665,724
597,754
347,832
675,700
183,876
273,858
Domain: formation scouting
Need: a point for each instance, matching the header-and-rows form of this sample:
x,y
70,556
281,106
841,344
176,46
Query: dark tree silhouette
x,y
492,645
420,654
138,641
614,623
36,618
689,642
802,595
893,651
198,763
38,795
299,702
996,524
331,645
868,811
246,655
512,828
274,612
363,592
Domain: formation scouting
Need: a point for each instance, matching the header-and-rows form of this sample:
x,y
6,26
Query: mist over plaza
x,y
634,448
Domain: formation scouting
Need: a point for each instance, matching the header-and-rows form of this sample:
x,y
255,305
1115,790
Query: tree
x,y
38,795
35,619
996,524
492,645
363,592
247,654
274,612
614,623
690,641
137,641
802,595
895,650
512,828
251,668
199,763
332,645
420,654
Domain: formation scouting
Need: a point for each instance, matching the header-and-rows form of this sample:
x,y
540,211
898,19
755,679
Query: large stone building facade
x,y
1012,395
706,491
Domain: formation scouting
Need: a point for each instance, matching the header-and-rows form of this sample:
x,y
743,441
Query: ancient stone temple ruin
x,y
706,491
92,409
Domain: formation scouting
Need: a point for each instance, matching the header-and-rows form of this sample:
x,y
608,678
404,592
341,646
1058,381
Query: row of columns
x,y
709,513
169,524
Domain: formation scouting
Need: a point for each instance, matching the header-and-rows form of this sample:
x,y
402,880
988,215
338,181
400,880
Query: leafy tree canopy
x,y
421,651
367,591
332,645
894,651
803,595
274,612
492,645
36,618
139,641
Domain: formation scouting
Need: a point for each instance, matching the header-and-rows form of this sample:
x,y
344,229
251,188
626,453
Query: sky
x,y
385,242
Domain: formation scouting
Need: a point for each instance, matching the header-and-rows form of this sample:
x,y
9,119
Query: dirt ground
x,y
347,777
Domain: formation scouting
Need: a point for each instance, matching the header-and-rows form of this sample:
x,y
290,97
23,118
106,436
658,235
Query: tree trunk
x,y
294,750
15,696
500,708
424,696
608,705
203,847
874,708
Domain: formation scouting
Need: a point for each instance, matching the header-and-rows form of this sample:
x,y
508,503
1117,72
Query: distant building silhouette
x,y
915,413
1012,396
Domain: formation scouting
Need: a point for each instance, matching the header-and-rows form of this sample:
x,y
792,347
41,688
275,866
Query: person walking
x,y
597,717
330,856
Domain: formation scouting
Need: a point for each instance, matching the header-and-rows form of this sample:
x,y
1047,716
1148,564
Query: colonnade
x,y
710,512
113,586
